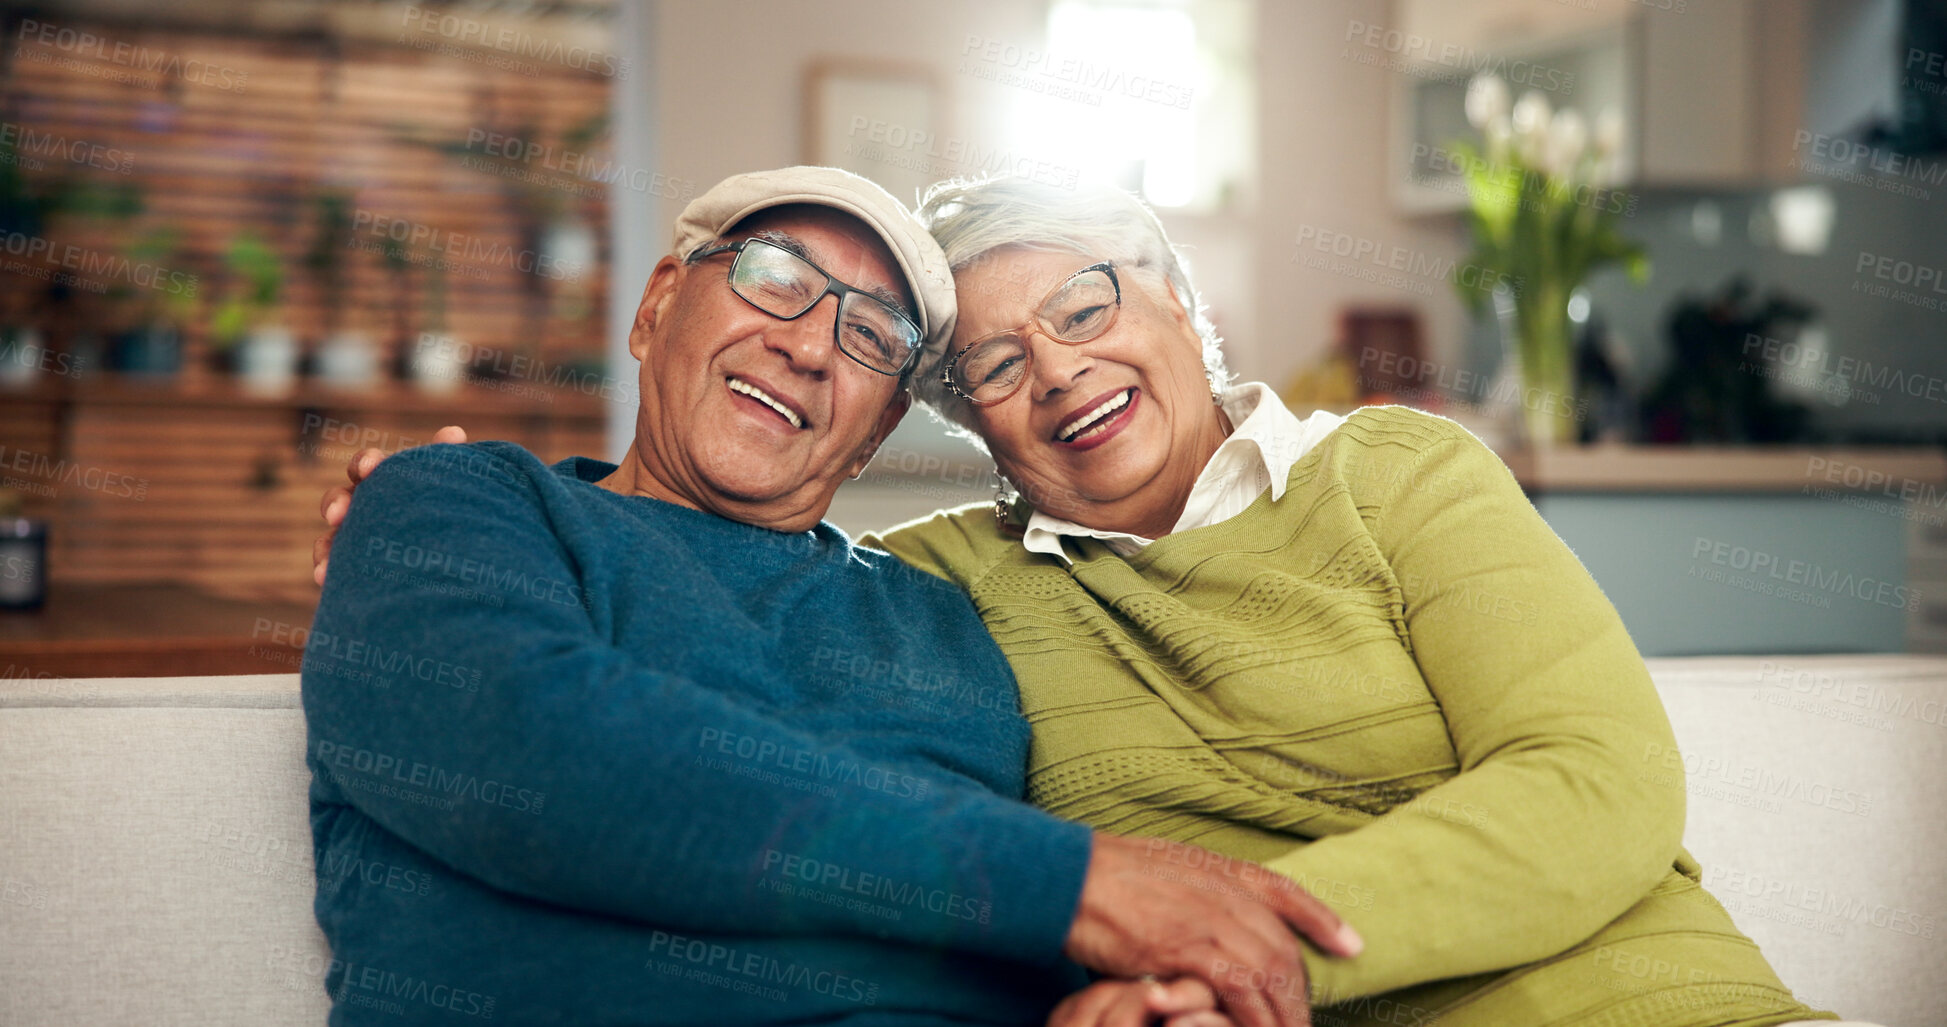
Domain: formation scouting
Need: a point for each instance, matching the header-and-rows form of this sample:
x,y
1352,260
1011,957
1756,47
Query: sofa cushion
x,y
155,855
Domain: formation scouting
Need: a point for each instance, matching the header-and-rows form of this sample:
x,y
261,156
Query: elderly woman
x,y
1347,649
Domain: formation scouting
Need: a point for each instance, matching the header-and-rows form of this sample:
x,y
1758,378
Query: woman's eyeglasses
x,y
1079,309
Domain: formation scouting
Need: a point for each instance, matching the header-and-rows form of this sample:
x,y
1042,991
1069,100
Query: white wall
x,y
633,114
1323,153
726,78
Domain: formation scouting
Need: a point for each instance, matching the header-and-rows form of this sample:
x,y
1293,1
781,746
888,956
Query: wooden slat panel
x,y
230,483
201,516
358,117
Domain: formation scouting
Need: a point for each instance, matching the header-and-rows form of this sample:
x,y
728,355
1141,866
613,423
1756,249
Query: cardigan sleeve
x,y
939,543
1562,815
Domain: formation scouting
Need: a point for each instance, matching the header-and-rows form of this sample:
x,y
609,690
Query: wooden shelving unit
x,y
194,480
214,487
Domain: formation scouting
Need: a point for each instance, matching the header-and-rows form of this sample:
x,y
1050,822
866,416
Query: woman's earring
x,y
1006,514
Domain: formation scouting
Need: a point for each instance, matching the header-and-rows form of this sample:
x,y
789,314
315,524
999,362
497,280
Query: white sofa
x,y
155,855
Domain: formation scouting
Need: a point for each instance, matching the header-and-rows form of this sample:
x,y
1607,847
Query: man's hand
x,y
1156,907
1183,1003
338,501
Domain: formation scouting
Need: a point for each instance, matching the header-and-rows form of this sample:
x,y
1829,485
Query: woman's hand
x,y
338,501
1151,906
1186,1002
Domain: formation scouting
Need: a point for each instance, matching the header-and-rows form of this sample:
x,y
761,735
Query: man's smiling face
x,y
749,416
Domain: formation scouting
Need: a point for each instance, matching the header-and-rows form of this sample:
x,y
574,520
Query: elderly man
x,y
649,743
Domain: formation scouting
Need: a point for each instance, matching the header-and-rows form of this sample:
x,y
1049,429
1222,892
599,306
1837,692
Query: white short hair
x,y
971,218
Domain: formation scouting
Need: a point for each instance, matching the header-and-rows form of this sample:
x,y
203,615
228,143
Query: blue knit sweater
x,y
594,759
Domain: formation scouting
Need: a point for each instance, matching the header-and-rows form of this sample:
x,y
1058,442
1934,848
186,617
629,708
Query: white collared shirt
x,y
1266,441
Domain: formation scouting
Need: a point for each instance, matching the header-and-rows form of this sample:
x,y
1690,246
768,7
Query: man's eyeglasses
x,y
1079,309
780,283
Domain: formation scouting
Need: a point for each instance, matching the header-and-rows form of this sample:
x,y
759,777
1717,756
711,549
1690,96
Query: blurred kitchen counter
x,y
1894,472
1749,549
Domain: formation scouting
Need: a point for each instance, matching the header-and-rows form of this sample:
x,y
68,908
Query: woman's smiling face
x,y
1110,433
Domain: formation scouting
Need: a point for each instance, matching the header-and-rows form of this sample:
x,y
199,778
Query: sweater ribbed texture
x,y
1398,687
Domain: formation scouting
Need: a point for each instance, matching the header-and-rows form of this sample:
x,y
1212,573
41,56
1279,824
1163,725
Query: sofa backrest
x,y
155,854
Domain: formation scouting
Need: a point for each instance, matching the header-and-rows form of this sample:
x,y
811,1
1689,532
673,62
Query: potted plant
x,y
346,356
161,304
437,362
245,327
96,214
23,210
541,202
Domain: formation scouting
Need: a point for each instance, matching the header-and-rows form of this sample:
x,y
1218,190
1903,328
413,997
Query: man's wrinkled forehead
x,y
784,226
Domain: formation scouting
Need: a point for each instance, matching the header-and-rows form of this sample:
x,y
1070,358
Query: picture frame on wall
x,y
884,120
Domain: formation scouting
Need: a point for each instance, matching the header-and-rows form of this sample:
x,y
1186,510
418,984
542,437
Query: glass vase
x,y
1539,341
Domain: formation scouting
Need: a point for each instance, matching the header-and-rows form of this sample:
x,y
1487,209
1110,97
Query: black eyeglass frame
x,y
833,287
946,373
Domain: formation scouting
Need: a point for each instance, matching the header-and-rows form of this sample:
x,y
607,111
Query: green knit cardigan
x,y
1398,687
